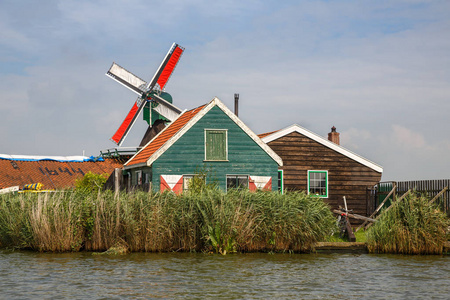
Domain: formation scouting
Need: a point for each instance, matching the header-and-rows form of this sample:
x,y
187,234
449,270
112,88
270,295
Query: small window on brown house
x,y
318,183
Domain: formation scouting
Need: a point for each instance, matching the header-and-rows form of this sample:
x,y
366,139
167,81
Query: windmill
x,y
157,104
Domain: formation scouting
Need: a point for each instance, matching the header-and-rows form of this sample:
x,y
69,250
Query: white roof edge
x,y
164,129
134,166
323,141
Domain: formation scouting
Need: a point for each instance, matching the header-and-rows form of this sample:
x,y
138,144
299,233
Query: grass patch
x,y
361,237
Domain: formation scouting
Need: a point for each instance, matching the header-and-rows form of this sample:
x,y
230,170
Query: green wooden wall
x,y
187,155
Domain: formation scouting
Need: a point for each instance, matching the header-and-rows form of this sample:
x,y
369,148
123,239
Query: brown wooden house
x,y
322,167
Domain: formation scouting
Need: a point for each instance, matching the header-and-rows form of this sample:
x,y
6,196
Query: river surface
x,y
30,275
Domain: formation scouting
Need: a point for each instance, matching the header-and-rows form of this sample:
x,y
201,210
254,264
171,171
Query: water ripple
x,y
30,275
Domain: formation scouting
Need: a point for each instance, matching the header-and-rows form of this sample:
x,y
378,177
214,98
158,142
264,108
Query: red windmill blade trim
x,y
120,134
169,67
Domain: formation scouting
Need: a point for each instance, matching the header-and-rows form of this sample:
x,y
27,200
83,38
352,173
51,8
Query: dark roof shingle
x,y
52,174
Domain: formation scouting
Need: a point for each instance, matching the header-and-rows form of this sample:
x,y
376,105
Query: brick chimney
x,y
333,136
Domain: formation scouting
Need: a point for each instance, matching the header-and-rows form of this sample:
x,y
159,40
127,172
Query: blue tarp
x,y
54,158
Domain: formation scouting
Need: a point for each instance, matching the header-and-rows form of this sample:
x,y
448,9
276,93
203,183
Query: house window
x,y
216,145
138,176
186,181
318,183
280,181
237,182
146,178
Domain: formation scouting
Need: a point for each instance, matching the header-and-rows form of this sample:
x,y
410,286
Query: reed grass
x,y
206,220
411,226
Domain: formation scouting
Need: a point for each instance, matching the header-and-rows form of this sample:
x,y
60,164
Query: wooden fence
x,y
429,187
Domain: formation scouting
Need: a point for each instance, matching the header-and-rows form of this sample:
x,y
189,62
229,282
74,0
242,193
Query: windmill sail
x,y
126,125
138,86
166,109
127,79
166,68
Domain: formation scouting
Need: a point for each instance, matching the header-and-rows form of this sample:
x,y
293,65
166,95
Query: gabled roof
x,y
267,138
52,172
166,138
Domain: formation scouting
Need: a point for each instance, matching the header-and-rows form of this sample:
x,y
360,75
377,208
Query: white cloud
x,y
406,138
378,71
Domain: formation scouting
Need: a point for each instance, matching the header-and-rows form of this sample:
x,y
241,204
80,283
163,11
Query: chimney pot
x,y
236,104
333,136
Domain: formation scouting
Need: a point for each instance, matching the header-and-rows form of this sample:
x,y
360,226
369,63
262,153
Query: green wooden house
x,y
209,139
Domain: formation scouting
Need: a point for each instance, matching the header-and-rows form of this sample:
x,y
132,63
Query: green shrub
x,y
91,182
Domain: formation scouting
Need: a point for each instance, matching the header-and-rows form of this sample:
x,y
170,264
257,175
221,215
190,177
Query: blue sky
x,y
377,70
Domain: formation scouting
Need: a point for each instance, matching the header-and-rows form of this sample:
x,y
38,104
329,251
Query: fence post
x,y
392,192
394,185
116,182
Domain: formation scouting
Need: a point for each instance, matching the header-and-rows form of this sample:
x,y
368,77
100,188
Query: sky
x,y
379,71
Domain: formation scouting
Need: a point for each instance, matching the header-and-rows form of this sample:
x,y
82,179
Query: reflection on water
x,y
25,275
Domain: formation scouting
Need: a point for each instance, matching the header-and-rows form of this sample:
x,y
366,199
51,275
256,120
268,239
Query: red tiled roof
x,y
266,134
146,152
52,174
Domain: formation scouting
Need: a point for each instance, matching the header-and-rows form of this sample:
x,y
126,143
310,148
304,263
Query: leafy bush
x,y
91,182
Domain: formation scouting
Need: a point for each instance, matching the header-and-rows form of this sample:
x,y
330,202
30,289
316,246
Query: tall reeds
x,y
205,220
44,222
15,227
411,226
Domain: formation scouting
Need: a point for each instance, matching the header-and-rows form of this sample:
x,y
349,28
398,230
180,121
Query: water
x,y
30,275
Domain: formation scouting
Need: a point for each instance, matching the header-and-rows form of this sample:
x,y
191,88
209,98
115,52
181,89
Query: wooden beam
x,y
440,194
378,208
354,216
387,209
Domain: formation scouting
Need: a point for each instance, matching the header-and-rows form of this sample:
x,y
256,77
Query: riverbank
x,y
355,247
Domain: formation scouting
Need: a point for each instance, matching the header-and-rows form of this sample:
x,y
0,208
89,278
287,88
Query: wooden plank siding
x,y
187,155
346,177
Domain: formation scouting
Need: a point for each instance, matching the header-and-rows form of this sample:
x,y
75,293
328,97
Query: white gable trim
x,y
323,141
144,164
